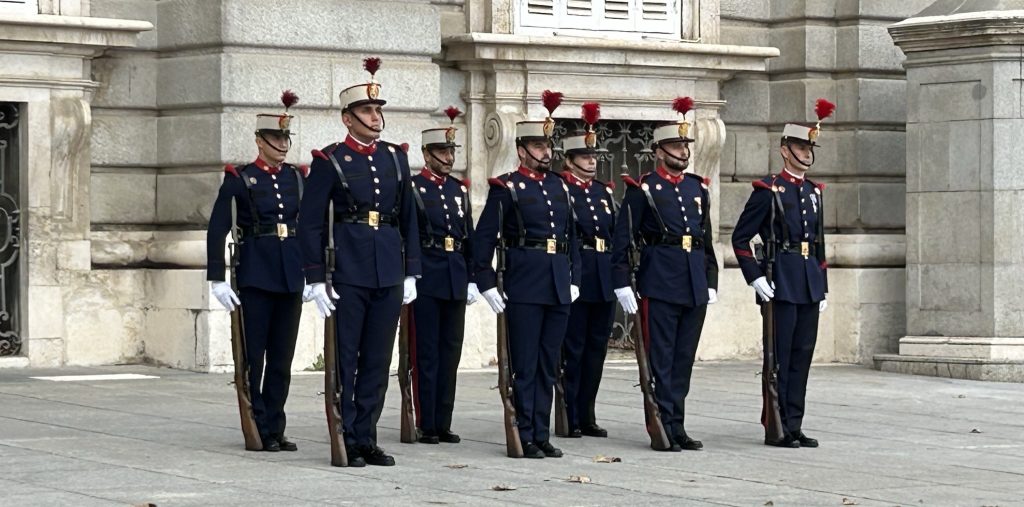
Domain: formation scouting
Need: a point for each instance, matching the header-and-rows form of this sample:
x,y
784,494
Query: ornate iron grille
x,y
10,231
623,147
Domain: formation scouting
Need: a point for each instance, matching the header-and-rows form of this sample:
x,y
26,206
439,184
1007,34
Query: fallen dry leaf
x,y
503,487
582,479
769,503
600,458
847,501
456,466
975,430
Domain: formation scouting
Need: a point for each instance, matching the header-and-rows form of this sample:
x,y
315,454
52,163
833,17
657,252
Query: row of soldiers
x,y
564,242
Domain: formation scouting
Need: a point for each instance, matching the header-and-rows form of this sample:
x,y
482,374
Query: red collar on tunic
x,y
360,148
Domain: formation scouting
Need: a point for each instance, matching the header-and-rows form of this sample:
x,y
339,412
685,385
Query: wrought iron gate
x,y
624,147
10,231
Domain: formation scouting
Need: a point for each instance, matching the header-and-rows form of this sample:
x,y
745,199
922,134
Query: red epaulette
x,y
496,182
707,182
304,169
230,169
405,147
630,181
761,184
465,183
318,154
610,185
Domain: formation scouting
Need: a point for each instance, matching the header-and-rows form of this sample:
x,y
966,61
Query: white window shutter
x,y
618,15
660,17
19,6
539,13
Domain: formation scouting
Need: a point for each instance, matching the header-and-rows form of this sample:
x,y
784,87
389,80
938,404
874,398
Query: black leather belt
x,y
371,218
447,243
277,230
805,248
550,246
599,245
687,242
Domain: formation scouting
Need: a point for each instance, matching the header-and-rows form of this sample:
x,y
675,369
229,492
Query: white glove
x,y
495,299
823,305
324,303
409,290
307,293
626,299
227,297
712,296
574,293
764,289
472,294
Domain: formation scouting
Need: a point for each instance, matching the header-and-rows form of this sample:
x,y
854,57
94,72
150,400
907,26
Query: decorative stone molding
x,y
71,121
958,31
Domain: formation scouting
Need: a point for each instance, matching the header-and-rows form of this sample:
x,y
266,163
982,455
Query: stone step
x,y
952,367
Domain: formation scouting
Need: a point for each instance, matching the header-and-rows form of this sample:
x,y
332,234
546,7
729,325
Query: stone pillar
x,y
965,191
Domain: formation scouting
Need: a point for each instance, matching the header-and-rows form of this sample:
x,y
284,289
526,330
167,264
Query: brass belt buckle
x,y
449,244
282,231
805,249
373,219
552,246
688,243
599,244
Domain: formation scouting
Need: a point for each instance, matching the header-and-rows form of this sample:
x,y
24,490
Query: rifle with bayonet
x,y
771,414
332,380
513,446
407,432
250,432
639,332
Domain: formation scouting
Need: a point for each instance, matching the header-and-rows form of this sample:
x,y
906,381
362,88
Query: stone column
x,y
965,191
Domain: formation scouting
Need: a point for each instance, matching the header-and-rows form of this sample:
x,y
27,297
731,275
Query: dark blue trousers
x,y
535,335
367,323
796,332
674,334
438,326
583,354
271,322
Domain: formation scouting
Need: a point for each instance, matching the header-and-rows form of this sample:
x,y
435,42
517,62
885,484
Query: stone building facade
x,y
123,142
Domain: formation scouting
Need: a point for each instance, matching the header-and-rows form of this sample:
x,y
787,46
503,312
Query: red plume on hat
x,y
591,112
682,105
372,65
551,100
452,112
823,108
289,99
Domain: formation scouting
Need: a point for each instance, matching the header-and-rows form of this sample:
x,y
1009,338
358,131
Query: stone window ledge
x,y
95,33
604,51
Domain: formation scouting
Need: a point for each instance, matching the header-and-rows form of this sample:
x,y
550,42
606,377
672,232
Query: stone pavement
x,y
887,439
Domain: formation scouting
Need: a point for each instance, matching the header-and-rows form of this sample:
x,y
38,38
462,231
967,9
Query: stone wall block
x,y
124,140
122,198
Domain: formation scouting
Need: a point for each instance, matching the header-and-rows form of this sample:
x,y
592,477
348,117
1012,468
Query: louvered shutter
x,y
19,6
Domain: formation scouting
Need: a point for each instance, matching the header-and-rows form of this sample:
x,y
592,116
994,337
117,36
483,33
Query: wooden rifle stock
x,y
513,446
332,382
407,433
561,408
250,431
652,415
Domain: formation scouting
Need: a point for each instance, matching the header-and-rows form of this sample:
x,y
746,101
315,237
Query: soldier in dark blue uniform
x,y
377,257
800,284
590,316
542,274
439,314
669,211
266,197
